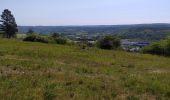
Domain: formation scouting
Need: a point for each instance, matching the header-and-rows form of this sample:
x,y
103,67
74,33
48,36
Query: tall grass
x,y
36,71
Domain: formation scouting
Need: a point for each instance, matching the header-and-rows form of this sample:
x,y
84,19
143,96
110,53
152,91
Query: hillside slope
x,y
35,71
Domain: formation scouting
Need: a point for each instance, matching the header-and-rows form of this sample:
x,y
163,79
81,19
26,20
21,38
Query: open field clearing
x,y
36,71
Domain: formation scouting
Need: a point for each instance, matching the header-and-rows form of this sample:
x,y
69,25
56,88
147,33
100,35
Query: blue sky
x,y
88,12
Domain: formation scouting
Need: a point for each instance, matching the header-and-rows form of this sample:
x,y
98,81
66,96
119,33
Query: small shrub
x,y
55,35
31,38
49,92
114,94
42,39
109,43
61,40
36,38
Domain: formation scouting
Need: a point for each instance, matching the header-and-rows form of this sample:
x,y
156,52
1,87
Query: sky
x,y
87,12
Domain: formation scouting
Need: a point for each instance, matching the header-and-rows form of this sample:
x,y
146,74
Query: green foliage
x,y
149,32
109,43
55,35
30,31
49,93
159,48
38,71
132,98
34,37
8,26
61,40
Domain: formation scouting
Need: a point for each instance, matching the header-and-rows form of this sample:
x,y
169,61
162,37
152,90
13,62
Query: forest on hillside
x,y
140,31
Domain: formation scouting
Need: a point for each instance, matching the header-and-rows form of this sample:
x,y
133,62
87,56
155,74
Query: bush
x,y
155,48
36,38
109,43
61,40
49,93
159,48
55,35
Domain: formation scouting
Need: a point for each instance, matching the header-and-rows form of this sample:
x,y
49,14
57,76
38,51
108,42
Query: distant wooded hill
x,y
139,31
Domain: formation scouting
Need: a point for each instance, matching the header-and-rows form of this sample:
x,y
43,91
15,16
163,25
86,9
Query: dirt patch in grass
x,y
59,62
11,57
159,71
12,70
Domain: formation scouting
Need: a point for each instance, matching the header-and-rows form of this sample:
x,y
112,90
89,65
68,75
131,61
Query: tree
x,y
161,47
55,35
8,24
61,40
30,31
109,42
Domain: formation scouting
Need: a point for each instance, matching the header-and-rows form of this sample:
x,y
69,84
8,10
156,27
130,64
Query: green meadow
x,y
37,71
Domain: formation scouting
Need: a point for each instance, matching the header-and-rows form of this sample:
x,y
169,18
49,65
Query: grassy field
x,y
36,71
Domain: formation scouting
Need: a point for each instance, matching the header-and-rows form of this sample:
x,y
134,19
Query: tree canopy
x,y
159,48
109,42
8,24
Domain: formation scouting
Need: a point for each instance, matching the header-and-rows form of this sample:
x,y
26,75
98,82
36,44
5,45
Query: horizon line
x,y
98,24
